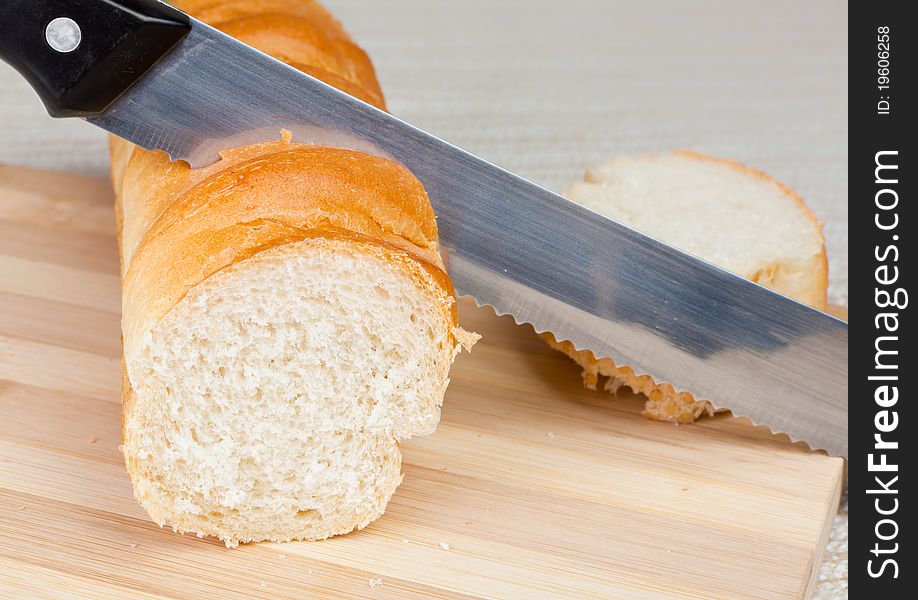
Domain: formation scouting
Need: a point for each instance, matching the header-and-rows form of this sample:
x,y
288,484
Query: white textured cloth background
x,y
546,88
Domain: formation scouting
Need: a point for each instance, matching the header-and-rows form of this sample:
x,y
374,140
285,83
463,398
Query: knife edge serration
x,y
715,409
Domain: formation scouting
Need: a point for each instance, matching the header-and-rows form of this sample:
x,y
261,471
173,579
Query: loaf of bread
x,y
719,210
287,319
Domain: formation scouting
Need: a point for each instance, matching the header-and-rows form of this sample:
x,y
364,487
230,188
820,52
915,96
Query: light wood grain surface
x,y
531,486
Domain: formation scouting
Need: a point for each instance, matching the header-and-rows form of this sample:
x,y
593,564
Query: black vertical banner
x,y
882,258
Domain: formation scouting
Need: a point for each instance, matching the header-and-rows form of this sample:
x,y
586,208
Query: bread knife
x,y
165,81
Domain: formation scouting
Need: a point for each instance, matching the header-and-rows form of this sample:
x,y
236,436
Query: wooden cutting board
x,y
531,486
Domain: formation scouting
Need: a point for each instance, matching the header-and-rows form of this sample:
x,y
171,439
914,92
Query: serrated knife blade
x,y
520,248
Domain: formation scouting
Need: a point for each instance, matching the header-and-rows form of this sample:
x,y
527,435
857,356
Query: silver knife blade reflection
x,y
520,248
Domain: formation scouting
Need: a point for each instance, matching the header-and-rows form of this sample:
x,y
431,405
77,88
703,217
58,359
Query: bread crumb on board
x,y
92,439
444,546
551,435
375,582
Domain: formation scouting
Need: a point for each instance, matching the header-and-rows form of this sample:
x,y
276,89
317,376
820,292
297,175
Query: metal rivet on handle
x,y
63,34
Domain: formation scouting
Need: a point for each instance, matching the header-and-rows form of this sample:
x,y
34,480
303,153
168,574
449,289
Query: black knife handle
x,y
80,55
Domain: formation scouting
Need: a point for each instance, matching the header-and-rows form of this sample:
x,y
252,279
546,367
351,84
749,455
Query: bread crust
x,y
301,33
217,12
805,283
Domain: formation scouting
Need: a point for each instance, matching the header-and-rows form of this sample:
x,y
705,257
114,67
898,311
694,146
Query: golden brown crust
x,y
663,401
362,191
178,226
217,12
299,32
367,95
287,39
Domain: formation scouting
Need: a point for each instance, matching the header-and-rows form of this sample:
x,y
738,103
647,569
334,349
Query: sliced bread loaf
x,y
724,212
287,318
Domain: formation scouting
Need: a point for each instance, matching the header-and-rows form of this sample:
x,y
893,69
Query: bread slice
x,y
269,402
724,212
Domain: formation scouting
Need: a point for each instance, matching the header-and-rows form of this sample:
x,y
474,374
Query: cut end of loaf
x,y
268,404
721,211
728,214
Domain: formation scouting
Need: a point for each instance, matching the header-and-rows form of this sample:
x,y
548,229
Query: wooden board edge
x,y
826,531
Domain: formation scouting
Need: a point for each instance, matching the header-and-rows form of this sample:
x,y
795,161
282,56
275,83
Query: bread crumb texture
x,y
270,401
719,210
